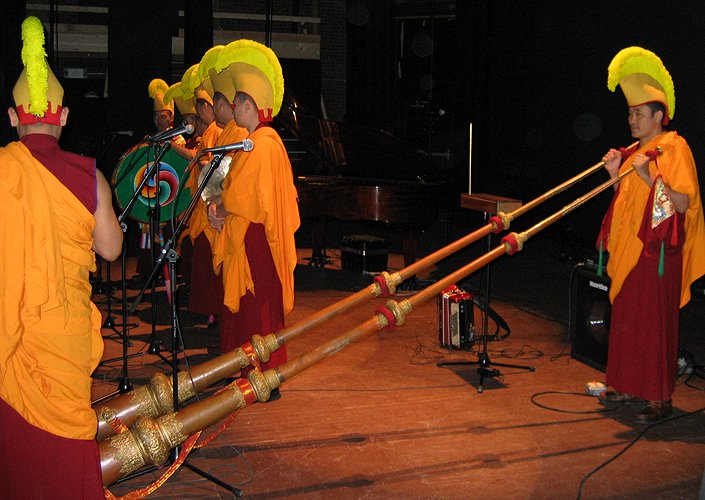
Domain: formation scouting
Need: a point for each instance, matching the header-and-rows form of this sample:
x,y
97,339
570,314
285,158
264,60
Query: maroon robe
x,y
262,313
643,342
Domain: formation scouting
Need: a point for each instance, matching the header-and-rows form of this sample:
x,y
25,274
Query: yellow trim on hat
x,y
642,77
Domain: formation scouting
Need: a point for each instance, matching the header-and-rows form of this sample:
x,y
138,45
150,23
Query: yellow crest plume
x,y
34,60
208,61
636,60
189,81
157,86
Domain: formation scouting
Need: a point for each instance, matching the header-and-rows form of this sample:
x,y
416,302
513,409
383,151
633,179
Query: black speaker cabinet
x,y
590,317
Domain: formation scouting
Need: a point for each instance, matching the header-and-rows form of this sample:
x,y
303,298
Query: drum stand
x,y
154,237
106,287
124,385
168,253
109,322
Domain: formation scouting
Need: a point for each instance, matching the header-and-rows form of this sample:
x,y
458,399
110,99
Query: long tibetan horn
x,y
156,398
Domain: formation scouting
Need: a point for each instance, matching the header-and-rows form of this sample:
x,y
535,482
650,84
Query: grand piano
x,y
357,174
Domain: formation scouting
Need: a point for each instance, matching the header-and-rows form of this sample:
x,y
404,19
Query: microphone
x,y
121,132
186,128
246,145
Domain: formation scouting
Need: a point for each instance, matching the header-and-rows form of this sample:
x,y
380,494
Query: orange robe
x,y
652,269
198,220
677,167
50,340
206,295
231,134
259,189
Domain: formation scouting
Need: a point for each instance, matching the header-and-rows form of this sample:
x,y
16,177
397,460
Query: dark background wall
x,y
548,113
530,76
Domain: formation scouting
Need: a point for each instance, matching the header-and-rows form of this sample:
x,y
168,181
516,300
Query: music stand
x,y
489,205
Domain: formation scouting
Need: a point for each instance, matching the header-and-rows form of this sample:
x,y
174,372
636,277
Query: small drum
x,y
174,196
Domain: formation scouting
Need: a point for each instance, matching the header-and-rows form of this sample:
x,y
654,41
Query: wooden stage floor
x,y
380,419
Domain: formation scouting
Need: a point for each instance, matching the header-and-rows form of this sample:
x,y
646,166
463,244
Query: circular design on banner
x,y
168,184
174,193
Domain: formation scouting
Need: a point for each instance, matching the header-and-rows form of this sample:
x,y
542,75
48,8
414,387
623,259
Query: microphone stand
x,y
125,385
155,235
171,255
483,363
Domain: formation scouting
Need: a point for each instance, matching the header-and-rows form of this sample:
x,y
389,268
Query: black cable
x,y
697,372
570,393
632,443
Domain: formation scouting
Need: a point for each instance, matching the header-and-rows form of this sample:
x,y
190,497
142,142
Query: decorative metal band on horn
x,y
149,440
157,397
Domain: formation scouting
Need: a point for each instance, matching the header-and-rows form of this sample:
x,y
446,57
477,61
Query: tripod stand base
x,y
174,455
232,489
485,368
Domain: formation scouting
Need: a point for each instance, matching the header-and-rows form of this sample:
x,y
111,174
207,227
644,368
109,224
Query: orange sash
x,y
198,220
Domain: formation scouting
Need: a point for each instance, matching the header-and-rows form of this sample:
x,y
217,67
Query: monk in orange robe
x,y
257,214
655,235
56,214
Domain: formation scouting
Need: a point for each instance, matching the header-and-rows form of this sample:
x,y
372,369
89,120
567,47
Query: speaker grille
x,y
590,317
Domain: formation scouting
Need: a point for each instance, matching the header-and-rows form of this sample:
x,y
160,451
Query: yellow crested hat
x,y
220,81
195,86
643,78
38,95
185,106
205,91
256,71
188,82
156,90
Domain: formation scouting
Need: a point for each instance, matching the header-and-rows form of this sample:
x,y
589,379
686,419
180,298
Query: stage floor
x,y
380,419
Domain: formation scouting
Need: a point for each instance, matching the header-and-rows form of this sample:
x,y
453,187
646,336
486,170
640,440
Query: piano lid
x,y
325,147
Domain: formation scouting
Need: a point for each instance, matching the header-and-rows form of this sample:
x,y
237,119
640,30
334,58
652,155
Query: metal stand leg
x,y
484,364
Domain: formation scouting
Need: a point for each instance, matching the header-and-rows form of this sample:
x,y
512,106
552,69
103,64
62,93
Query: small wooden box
x,y
488,203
